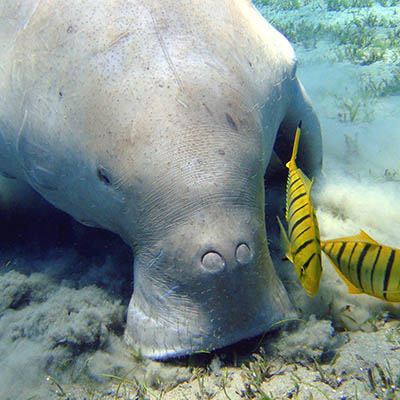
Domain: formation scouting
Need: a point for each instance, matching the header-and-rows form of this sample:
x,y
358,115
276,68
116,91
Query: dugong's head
x,y
190,181
205,283
203,276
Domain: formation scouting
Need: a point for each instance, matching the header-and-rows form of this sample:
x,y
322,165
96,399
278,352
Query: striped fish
x,y
301,244
366,266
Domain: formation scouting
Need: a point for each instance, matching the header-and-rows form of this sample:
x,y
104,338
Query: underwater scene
x,y
333,228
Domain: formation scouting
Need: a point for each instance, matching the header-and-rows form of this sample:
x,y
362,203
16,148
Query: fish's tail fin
x,y
292,162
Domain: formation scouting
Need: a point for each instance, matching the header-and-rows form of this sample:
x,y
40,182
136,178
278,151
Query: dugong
x,y
157,119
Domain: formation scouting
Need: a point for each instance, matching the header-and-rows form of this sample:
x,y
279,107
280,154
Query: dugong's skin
x,y
156,119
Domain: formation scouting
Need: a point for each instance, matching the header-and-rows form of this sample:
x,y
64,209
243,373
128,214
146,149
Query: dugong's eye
x,y
103,175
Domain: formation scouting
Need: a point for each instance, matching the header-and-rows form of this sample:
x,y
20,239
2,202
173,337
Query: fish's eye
x,y
103,175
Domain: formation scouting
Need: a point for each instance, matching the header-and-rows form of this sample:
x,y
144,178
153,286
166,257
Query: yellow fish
x,y
301,244
366,266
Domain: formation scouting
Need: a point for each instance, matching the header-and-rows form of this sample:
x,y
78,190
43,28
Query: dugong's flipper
x,y
309,156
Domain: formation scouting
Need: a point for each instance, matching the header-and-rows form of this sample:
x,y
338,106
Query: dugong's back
x,y
82,81
156,120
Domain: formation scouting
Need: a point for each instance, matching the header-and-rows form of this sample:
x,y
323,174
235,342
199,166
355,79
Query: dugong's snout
x,y
209,283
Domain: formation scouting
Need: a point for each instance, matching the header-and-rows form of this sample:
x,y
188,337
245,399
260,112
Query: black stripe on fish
x,y
388,270
303,231
339,256
303,246
351,255
373,268
360,262
295,190
292,183
296,198
307,263
349,262
298,222
297,209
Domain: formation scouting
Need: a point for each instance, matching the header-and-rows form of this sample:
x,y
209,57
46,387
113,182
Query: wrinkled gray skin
x,y
156,119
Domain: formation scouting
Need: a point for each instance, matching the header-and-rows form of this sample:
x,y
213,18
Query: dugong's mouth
x,y
170,318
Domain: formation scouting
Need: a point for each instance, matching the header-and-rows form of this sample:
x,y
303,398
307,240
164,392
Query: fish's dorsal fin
x,y
285,241
361,237
366,238
291,164
307,182
351,288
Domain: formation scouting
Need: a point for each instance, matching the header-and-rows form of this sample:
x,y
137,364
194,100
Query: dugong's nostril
x,y
243,254
213,262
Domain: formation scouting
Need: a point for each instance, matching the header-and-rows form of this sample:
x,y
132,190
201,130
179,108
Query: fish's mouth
x,y
167,320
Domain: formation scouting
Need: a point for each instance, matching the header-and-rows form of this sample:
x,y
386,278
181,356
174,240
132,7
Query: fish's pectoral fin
x,y
351,288
285,241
